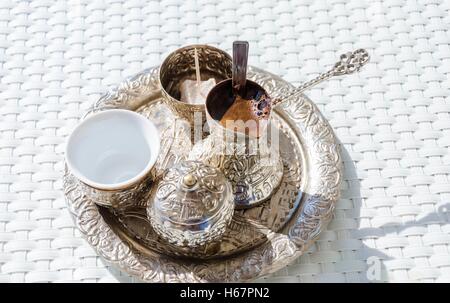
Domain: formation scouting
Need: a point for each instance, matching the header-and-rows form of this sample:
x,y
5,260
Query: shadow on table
x,y
374,258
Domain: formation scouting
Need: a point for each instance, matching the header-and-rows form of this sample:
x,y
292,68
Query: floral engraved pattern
x,y
180,63
190,215
254,177
322,178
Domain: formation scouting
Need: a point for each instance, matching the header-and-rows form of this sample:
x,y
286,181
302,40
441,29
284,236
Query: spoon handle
x,y
348,63
239,70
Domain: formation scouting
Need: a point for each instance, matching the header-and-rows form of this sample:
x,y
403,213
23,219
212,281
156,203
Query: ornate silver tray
x,y
259,240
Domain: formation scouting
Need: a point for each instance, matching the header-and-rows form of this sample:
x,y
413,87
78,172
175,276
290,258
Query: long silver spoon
x,y
348,63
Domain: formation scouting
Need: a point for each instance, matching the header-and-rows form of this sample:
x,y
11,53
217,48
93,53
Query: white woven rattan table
x,y
393,120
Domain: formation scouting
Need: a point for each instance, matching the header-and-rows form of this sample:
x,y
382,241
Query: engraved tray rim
x,y
311,217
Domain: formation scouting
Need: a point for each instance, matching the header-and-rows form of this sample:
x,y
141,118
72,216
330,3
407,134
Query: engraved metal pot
x,y
179,65
190,205
252,164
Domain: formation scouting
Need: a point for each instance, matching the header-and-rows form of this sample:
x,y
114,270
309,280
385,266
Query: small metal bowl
x,y
190,205
179,65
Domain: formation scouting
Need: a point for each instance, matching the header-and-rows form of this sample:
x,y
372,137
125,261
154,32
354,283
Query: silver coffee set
x,y
121,160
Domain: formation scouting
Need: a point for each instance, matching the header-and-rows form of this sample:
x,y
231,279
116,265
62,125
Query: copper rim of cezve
x,y
216,123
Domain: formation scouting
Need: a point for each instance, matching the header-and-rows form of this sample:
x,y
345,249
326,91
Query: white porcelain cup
x,y
111,153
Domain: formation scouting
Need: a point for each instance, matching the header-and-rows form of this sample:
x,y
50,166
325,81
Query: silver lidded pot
x,y
191,204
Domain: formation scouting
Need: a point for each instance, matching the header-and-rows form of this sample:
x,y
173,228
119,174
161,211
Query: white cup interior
x,y
112,149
